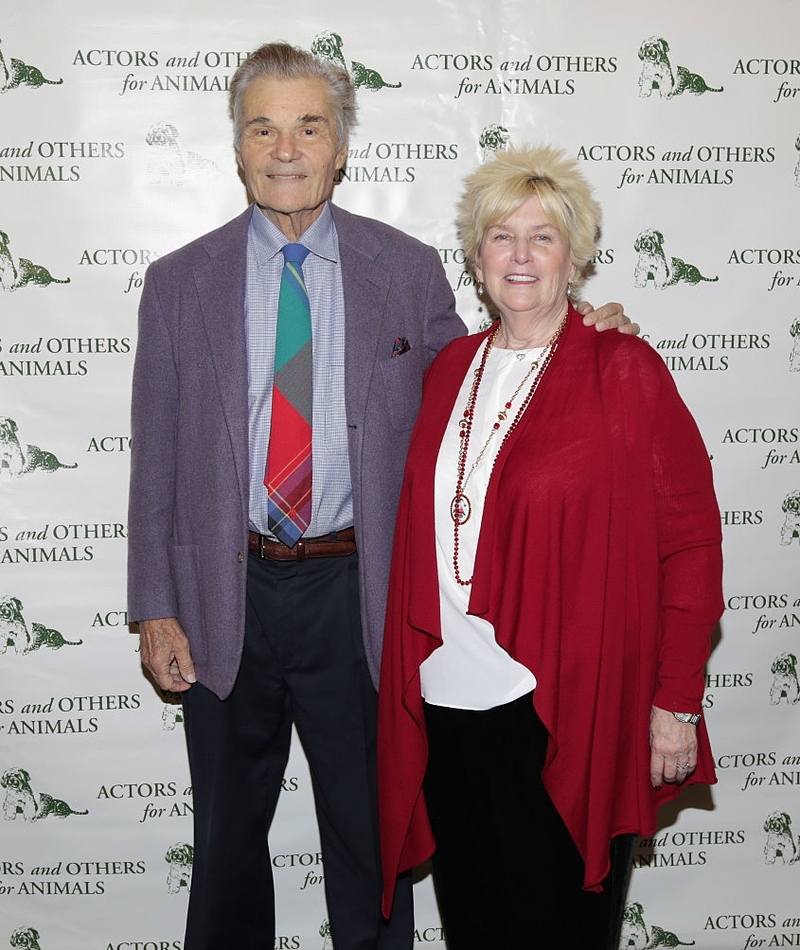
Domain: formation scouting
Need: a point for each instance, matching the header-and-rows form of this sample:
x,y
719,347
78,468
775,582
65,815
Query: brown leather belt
x,y
336,544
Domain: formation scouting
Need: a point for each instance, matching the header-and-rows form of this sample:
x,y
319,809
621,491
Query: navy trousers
x,y
303,662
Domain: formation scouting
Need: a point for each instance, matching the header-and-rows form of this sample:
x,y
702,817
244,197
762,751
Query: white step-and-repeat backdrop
x,y
115,147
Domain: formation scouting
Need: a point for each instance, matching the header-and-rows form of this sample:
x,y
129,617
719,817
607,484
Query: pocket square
x,y
401,345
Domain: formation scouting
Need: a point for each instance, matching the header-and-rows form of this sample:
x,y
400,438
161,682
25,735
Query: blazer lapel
x,y
366,290
220,282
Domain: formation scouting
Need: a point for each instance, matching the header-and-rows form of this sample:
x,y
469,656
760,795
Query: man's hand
x,y
673,748
165,652
609,317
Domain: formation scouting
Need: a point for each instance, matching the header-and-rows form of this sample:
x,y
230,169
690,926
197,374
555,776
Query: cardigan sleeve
x,y
689,538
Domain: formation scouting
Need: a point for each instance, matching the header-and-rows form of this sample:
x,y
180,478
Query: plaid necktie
x,y
288,474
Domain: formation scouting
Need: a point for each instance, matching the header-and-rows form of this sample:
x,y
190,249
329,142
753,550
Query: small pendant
x,y
460,509
520,356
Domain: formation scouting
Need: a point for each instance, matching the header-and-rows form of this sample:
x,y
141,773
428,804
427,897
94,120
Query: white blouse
x,y
471,670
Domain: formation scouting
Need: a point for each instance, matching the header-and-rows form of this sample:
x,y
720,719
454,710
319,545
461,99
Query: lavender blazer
x,y
187,554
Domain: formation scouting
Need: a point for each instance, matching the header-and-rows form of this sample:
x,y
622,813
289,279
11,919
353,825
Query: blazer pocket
x,y
402,385
185,565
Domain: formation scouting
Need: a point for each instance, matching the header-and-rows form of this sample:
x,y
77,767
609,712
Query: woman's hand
x,y
673,748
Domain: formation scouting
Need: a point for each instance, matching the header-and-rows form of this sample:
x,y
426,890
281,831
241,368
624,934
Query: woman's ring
x,y
683,768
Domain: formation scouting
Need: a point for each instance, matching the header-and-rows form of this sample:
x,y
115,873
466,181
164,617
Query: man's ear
x,y
341,157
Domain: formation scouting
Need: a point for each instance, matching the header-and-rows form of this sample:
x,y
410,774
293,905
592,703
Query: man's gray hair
x,y
283,61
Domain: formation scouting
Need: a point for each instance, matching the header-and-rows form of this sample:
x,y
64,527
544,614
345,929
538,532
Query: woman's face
x,y
525,263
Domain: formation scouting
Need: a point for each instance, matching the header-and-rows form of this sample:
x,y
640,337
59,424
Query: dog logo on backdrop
x,y
636,935
14,73
171,716
16,460
179,857
797,166
14,631
791,523
325,933
169,163
654,264
328,45
494,138
657,73
19,272
785,684
794,355
19,798
25,938
780,843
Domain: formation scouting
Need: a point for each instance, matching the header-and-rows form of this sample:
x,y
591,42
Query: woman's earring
x,y
480,289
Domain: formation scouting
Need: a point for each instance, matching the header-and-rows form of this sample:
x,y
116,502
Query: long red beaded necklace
x,y
461,506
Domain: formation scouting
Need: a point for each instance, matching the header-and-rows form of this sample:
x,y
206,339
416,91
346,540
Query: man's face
x,y
289,151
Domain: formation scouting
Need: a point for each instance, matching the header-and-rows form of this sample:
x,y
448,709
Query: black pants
x,y
506,870
303,662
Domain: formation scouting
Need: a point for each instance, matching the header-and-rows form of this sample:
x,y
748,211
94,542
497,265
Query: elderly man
x,y
265,475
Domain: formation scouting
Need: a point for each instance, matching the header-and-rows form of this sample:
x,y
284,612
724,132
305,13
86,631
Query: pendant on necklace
x,y
520,355
460,509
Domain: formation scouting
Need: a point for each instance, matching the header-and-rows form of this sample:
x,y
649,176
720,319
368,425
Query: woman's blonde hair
x,y
498,188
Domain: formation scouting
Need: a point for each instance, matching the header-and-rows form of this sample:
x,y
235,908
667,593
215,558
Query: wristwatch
x,y
692,718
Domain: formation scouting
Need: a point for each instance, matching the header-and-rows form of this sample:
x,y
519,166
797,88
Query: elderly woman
x,y
555,582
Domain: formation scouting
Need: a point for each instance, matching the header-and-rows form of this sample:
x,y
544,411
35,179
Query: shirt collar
x,y
319,238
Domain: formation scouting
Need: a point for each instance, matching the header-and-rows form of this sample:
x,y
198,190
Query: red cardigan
x,y
599,566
